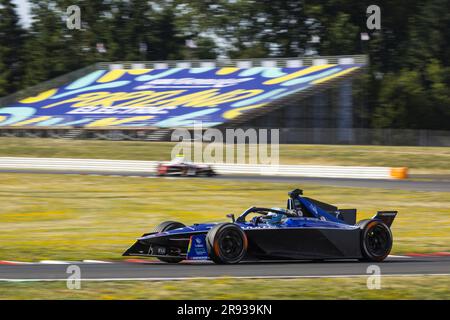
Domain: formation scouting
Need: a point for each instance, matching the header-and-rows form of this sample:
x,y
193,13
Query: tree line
x,y
407,83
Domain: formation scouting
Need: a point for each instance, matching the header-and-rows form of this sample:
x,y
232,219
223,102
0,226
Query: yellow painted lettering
x,y
233,113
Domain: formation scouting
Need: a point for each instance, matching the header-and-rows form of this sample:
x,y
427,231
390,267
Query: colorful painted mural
x,y
165,98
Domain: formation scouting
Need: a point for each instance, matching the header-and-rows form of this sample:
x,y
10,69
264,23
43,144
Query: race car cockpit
x,y
266,215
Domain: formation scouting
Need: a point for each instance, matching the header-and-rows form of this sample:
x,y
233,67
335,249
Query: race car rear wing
x,y
386,216
347,215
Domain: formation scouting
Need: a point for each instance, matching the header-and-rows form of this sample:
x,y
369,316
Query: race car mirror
x,y
231,216
295,193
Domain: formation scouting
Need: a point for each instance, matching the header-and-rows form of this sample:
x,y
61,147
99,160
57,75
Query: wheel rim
x,y
231,244
378,241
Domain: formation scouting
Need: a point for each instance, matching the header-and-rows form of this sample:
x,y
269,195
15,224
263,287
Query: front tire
x,y
166,226
226,243
376,241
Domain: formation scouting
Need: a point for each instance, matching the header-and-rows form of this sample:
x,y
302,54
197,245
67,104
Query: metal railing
x,y
365,136
338,136
240,63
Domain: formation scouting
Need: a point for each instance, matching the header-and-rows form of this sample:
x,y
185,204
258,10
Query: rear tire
x,y
226,243
376,241
166,226
191,172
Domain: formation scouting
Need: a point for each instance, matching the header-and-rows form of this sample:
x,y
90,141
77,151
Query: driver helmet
x,y
178,159
276,217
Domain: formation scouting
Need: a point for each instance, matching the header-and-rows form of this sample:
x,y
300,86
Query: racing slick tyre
x,y
206,174
166,226
376,240
226,243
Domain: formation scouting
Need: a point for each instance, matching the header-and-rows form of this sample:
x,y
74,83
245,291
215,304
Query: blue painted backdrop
x,y
165,97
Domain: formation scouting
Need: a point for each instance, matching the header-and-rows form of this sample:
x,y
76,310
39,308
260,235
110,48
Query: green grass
x,y
421,160
86,217
429,287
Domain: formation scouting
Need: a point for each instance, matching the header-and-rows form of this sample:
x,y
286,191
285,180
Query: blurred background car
x,y
180,167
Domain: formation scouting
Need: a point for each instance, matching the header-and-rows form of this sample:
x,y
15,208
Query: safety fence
x,y
127,166
293,62
334,136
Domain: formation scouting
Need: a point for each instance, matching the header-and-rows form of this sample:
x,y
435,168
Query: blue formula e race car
x,y
306,230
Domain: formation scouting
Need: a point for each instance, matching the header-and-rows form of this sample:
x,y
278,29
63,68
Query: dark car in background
x,y
180,167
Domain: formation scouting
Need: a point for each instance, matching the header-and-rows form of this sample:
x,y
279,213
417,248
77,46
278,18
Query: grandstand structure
x,y
310,99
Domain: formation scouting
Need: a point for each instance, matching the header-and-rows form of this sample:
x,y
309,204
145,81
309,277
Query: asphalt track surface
x,y
400,266
442,185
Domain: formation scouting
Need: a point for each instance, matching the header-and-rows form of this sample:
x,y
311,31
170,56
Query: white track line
x,y
394,256
96,261
238,277
56,262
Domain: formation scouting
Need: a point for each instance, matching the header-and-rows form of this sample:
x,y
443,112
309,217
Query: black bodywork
x,y
185,169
